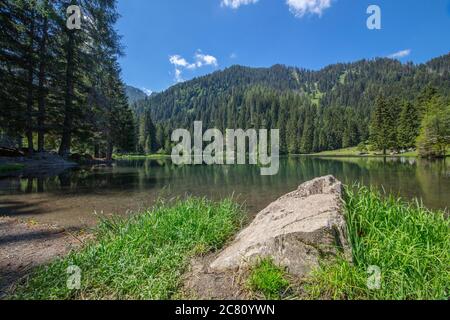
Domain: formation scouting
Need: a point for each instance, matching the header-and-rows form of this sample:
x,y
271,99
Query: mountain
x,y
134,94
315,110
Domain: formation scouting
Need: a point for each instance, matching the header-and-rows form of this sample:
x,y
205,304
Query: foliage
x,y
434,139
59,85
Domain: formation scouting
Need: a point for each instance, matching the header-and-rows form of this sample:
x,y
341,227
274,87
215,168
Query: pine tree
x,y
409,124
384,124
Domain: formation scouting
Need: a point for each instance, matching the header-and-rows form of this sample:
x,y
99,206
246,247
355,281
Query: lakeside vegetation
x,y
144,257
268,280
355,152
408,243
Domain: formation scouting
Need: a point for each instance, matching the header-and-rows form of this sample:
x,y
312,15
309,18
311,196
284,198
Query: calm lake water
x,y
71,198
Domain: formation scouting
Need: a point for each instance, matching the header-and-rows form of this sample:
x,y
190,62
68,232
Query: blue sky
x,y
174,40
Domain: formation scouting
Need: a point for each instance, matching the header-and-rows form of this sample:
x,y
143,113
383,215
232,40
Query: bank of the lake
x,y
140,156
145,257
354,152
35,164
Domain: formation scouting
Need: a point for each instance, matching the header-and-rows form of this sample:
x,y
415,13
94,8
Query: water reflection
x,y
71,196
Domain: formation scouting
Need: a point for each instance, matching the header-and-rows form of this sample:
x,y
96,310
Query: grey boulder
x,y
297,231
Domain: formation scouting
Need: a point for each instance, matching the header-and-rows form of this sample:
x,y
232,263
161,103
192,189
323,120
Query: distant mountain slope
x,y
134,94
315,110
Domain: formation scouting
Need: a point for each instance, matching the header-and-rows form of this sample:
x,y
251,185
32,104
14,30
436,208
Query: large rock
x,y
296,230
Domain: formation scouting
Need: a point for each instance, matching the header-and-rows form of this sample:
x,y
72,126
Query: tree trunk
x,y
66,139
29,115
96,151
109,151
42,93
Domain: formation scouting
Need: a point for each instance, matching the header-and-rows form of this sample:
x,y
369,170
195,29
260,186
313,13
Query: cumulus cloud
x,y
200,60
301,7
205,60
234,4
400,54
179,61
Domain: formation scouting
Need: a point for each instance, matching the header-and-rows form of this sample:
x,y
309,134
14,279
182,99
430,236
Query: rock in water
x,y
296,230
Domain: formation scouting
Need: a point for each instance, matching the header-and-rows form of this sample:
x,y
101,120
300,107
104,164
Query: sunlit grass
x,y
268,279
409,244
140,258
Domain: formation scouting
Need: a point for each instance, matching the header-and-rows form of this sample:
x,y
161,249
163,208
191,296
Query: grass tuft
x,y
268,279
143,257
409,244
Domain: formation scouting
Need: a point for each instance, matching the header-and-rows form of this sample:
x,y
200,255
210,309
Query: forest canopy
x,y
61,88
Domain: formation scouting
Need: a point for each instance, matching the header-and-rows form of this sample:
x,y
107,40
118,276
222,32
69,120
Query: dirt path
x,y
25,246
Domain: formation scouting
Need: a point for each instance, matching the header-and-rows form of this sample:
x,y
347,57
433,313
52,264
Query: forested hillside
x,y
134,94
61,88
316,110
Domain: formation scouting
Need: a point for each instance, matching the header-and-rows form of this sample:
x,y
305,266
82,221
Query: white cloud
x,y
200,60
205,60
148,92
400,54
301,7
179,61
234,4
233,56
178,77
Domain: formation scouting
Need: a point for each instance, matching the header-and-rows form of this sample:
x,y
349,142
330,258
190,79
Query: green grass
x,y
10,167
409,244
143,257
340,152
354,152
141,157
268,279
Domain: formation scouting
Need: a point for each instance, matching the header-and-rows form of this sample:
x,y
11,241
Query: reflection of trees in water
x,y
406,177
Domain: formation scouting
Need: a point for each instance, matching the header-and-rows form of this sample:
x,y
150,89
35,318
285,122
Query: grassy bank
x,y
354,152
10,167
409,244
145,257
140,258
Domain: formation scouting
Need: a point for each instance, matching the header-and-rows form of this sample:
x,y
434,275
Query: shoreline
x,y
42,163
110,236
27,245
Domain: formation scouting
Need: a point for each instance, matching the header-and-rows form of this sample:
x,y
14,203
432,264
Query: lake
x,y
75,198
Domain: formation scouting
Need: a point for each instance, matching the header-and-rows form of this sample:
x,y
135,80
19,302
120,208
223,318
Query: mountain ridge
x,y
331,107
